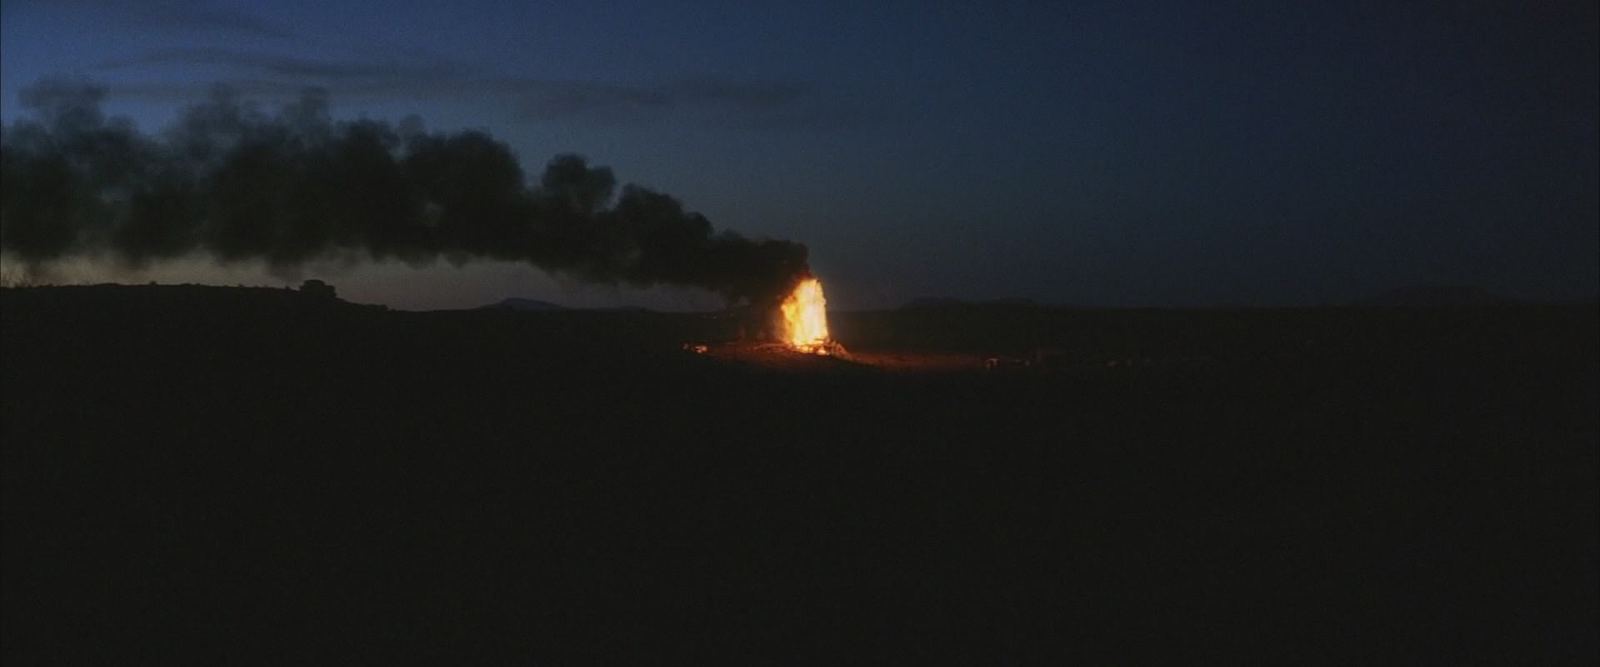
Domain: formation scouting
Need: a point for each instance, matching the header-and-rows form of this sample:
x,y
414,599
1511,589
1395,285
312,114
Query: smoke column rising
x,y
239,184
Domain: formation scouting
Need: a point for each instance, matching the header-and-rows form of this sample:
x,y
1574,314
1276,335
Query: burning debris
x,y
786,330
804,326
805,316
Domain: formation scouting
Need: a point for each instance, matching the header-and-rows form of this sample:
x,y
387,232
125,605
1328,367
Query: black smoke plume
x,y
240,184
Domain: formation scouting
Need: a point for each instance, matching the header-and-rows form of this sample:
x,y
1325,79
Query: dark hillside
x,y
235,475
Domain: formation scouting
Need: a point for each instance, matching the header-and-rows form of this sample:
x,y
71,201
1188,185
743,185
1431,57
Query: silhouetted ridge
x,y
945,302
517,303
1437,295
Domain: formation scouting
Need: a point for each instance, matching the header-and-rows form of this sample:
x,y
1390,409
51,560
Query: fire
x,y
805,318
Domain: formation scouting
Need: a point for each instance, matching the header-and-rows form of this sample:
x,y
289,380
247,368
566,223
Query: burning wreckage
x,y
798,324
804,320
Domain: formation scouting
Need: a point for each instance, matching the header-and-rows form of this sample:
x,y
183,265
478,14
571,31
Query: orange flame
x,y
805,317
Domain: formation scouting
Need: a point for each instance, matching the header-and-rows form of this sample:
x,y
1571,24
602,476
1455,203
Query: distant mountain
x,y
935,302
1437,295
527,305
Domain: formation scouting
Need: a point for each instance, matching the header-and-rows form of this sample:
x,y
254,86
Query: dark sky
x,y
1099,153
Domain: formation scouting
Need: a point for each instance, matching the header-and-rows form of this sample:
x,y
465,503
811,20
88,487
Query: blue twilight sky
x,y
1098,153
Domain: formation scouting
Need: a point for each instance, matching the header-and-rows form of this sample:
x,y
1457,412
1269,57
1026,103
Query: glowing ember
x,y
805,318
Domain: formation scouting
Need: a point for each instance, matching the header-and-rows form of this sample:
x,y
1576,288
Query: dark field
x,y
210,475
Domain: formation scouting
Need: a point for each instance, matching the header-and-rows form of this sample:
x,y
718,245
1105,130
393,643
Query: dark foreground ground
x,y
251,476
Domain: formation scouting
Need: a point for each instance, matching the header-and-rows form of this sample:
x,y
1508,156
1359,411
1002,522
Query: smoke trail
x,y
239,184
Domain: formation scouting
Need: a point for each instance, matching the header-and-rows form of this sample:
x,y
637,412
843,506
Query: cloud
x,y
532,99
200,17
548,100
189,16
262,63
